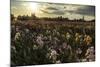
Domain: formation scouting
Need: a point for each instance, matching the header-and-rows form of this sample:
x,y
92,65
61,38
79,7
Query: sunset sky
x,y
70,11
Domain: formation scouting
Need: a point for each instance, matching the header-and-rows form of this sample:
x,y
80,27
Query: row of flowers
x,y
44,46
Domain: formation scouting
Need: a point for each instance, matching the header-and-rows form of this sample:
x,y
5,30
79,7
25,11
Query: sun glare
x,y
33,6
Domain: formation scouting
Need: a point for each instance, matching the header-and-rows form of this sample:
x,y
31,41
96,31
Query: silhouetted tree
x,y
33,16
12,17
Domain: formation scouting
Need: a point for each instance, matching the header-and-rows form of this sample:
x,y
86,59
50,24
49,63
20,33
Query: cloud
x,y
44,11
13,8
56,12
85,10
69,8
51,8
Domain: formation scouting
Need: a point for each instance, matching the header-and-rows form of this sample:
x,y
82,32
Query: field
x,y
35,42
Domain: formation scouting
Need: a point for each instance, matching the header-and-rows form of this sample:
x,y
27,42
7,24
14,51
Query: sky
x,y
71,11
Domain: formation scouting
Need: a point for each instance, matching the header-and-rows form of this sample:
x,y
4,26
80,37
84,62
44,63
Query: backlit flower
x,y
88,40
17,36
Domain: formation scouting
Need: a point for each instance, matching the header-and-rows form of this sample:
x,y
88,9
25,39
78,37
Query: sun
x,y
33,7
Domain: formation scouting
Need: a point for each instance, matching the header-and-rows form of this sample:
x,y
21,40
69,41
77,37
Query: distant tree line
x,y
59,18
